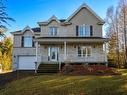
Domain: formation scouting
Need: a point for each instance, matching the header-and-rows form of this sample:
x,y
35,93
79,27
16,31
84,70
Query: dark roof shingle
x,y
36,29
62,20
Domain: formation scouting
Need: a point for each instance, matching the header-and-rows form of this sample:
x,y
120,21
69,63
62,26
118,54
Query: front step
x,y
48,68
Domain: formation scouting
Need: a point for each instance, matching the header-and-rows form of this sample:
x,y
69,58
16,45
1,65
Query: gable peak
x,y
53,17
84,5
27,27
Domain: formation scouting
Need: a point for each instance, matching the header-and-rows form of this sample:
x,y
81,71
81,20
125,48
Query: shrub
x,y
67,69
88,70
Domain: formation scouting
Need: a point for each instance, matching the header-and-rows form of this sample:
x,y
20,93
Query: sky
x,y
29,12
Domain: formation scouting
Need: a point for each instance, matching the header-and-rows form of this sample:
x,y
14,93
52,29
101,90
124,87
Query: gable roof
x,y
34,30
27,28
50,19
84,5
66,21
53,18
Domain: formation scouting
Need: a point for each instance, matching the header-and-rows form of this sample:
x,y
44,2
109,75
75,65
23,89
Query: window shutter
x,y
77,30
22,43
91,30
33,44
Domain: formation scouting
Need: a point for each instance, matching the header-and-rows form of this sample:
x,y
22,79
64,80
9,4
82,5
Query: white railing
x,y
75,58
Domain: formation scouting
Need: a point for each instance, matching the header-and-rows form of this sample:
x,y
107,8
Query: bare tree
x,y
4,18
111,22
123,12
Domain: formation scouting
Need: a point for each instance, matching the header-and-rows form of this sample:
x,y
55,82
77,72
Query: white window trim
x,y
24,41
53,31
86,55
84,32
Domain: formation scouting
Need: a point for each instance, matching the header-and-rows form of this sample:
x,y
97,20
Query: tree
x,y
122,27
116,21
4,18
6,53
112,34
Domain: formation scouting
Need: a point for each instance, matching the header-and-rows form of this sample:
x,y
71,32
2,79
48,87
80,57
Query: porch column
x,y
105,54
65,50
36,62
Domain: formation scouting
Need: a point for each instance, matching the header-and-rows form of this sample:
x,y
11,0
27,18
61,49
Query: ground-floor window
x,y
84,51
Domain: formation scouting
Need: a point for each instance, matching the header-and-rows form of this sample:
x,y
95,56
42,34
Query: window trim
x,y
84,55
24,41
84,33
53,32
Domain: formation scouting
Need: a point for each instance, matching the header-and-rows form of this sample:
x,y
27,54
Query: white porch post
x,y
105,54
65,50
36,57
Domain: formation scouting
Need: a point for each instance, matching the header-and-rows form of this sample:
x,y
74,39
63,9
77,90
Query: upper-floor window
x,y
27,41
52,31
84,51
84,30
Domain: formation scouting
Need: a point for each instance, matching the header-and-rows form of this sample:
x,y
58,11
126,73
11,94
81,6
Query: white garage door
x,y
26,62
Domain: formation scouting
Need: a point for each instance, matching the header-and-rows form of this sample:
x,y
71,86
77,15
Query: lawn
x,y
57,84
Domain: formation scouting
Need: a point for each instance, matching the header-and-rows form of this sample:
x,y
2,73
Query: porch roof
x,y
46,40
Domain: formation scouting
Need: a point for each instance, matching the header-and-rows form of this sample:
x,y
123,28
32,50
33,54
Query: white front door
x,y
53,53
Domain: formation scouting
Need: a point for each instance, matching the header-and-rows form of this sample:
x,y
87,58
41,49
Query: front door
x,y
53,53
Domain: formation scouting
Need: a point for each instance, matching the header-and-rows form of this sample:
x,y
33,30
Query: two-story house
x,y
77,39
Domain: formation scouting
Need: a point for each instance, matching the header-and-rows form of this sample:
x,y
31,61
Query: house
x,y
77,39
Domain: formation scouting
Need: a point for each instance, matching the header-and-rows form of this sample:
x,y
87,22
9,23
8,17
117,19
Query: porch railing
x,y
75,58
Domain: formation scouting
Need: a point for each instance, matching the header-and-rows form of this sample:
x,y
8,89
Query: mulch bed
x,y
88,70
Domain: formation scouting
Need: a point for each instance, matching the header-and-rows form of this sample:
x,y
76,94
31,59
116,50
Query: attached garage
x,y
26,62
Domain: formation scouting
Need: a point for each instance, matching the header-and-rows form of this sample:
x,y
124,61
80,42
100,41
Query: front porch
x,y
66,51
73,58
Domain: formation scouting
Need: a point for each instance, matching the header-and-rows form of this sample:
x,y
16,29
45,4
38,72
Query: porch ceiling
x,y
58,40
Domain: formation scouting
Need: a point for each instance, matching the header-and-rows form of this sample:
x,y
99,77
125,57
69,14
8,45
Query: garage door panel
x,y
27,62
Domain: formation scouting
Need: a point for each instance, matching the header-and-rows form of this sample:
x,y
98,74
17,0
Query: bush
x,y
88,70
67,69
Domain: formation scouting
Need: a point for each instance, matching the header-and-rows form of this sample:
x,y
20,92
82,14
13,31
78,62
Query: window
x,y
81,30
27,41
85,30
53,31
84,51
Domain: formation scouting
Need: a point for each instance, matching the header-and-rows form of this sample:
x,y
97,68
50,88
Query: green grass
x,y
68,85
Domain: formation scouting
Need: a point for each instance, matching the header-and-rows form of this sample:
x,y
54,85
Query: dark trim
x,y
77,30
71,38
33,44
22,42
91,30
79,51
